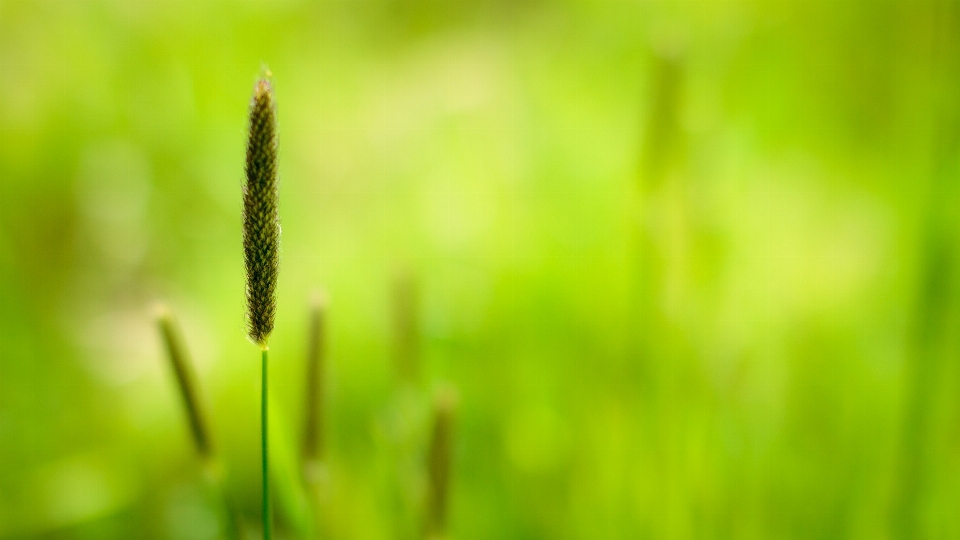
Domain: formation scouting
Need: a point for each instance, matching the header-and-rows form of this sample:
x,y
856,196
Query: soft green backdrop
x,y
694,267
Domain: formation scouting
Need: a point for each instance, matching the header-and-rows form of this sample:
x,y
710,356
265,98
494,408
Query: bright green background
x,y
752,336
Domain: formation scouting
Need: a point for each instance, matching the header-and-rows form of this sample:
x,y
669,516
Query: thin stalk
x,y
264,447
313,468
655,345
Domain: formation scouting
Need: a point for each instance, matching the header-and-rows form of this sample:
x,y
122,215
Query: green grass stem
x,y
264,447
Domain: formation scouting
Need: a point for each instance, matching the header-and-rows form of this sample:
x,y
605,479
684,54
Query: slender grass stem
x,y
313,468
264,447
186,382
213,474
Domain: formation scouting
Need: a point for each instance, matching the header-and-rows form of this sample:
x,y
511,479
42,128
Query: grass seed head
x,y
406,314
261,223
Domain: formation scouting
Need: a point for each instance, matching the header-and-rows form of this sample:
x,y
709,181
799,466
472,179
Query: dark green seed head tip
x,y
261,223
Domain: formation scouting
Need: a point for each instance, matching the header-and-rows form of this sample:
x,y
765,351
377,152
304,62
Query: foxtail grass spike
x,y
182,369
440,457
261,223
313,448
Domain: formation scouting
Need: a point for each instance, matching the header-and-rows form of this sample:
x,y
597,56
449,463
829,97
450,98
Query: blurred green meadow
x,y
692,267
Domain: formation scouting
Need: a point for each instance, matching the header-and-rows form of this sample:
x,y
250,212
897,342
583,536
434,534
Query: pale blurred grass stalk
x,y
313,455
932,311
406,415
664,233
406,312
439,462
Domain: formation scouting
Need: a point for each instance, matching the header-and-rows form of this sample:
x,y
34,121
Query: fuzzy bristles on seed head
x,y
261,224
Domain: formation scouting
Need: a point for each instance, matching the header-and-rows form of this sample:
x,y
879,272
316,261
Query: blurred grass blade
x,y
199,427
261,249
406,325
288,505
313,449
661,130
440,458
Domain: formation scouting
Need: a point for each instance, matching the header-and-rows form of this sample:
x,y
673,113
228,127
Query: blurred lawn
x,y
693,266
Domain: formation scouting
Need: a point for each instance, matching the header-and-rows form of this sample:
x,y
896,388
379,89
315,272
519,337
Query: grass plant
x,y
261,249
213,471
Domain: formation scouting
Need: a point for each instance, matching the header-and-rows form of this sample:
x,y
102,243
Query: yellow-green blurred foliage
x,y
694,267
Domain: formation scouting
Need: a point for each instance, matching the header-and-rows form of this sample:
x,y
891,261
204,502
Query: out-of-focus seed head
x,y
313,398
440,458
186,381
261,222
